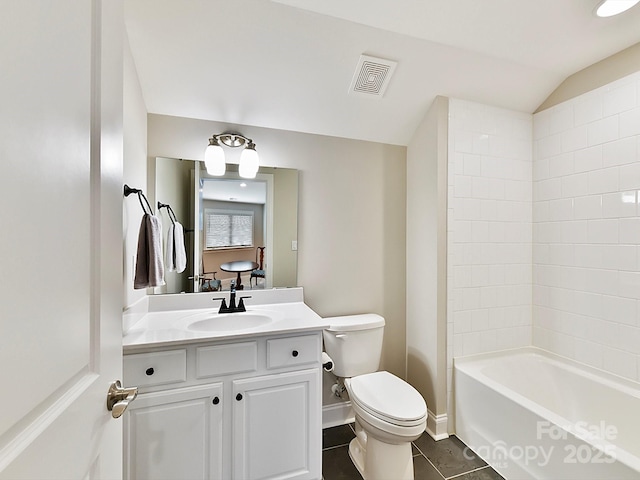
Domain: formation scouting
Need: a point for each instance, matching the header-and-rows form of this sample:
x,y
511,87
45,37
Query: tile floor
x,y
432,460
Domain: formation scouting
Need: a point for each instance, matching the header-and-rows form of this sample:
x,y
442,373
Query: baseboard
x,y
437,425
337,414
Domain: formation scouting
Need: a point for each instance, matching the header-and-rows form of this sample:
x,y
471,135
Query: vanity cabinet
x,y
176,434
244,409
271,431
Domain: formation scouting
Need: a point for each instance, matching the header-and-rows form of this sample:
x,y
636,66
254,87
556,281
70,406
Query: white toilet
x,y
389,412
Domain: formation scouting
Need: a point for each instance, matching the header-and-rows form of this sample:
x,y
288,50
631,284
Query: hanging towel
x,y
149,268
170,262
179,250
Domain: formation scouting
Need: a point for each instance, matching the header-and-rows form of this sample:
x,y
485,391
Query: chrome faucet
x,y
232,308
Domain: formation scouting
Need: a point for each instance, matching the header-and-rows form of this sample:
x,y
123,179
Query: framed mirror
x,y
228,219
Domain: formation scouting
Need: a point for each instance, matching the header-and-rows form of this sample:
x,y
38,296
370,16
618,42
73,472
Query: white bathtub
x,y
533,415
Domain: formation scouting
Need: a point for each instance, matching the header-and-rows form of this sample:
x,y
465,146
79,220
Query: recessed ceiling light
x,y
609,8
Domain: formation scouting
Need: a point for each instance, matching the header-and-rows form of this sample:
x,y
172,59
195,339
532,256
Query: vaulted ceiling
x,y
288,64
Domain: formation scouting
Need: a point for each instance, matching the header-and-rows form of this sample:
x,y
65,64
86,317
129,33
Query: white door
x,y
61,211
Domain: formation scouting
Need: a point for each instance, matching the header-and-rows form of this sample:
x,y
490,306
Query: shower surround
x,y
489,231
586,228
543,229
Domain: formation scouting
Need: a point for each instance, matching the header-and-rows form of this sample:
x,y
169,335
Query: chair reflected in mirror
x,y
208,281
258,272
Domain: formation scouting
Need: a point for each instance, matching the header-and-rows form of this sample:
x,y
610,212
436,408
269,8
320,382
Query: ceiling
x,y
242,191
288,64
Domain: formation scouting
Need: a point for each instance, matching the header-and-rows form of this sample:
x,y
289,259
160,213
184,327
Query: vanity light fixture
x,y
214,160
609,8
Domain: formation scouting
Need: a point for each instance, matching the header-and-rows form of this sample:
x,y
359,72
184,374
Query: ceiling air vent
x,y
372,76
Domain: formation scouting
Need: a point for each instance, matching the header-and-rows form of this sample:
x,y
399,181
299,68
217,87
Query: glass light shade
x,y
249,163
214,160
609,8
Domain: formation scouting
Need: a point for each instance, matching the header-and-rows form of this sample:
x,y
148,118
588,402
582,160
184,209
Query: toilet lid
x,y
388,397
354,322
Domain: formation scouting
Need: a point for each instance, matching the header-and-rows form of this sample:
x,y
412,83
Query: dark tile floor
x,y
445,459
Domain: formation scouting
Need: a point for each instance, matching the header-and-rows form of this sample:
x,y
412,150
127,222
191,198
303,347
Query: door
x,y
61,282
175,434
277,427
197,227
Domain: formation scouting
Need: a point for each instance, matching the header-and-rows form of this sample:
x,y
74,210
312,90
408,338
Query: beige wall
x,y
285,222
173,186
426,270
597,75
214,258
351,217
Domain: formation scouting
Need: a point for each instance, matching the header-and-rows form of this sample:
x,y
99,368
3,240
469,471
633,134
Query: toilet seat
x,y
387,398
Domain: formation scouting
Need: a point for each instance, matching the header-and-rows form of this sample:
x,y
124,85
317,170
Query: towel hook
x,y
128,191
170,212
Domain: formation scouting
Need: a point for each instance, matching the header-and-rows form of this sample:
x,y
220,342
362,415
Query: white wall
x,y
489,229
587,230
135,171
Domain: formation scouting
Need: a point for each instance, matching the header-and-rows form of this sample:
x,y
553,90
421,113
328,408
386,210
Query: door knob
x,y
118,398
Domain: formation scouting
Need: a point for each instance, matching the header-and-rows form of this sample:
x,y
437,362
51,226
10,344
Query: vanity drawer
x,y
147,369
290,351
226,359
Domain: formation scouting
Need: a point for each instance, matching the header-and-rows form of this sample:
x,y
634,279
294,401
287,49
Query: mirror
x,y
266,206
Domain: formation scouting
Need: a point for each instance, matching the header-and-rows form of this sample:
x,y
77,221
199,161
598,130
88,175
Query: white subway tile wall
x,y
586,229
489,223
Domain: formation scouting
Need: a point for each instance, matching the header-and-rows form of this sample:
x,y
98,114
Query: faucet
x,y
232,308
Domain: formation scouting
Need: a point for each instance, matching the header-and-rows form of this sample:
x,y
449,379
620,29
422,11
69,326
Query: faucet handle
x,y
223,305
241,306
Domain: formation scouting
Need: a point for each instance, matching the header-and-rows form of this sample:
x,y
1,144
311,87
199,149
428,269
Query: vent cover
x,y
372,76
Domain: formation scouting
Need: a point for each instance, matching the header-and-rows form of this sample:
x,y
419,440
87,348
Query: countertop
x,y
171,327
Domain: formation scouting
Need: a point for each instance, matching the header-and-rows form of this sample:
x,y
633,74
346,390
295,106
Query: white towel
x,y
170,262
149,268
180,252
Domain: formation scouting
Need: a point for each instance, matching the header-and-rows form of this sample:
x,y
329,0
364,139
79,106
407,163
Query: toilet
x,y
389,413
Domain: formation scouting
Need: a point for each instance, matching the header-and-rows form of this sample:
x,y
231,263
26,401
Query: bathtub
x,y
533,415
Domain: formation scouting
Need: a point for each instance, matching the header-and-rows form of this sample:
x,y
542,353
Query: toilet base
x,y
377,460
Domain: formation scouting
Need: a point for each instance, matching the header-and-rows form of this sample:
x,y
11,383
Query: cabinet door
x,y
175,434
277,427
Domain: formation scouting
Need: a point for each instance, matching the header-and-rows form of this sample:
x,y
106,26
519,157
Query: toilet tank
x,y
354,343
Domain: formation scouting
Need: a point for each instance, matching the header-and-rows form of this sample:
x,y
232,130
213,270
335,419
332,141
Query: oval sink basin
x,y
230,322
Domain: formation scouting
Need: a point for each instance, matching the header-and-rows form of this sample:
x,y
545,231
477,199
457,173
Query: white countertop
x,y
171,327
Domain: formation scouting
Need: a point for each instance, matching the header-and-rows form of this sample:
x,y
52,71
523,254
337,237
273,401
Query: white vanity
x,y
235,396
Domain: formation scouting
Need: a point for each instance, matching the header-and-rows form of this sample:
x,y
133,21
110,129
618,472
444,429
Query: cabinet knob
x,y
294,353
149,371
215,400
239,397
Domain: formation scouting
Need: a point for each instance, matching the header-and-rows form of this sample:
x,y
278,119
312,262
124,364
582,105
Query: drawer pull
x,y
149,371
215,400
294,353
239,397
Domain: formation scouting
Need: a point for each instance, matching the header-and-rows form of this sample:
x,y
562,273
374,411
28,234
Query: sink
x,y
228,322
